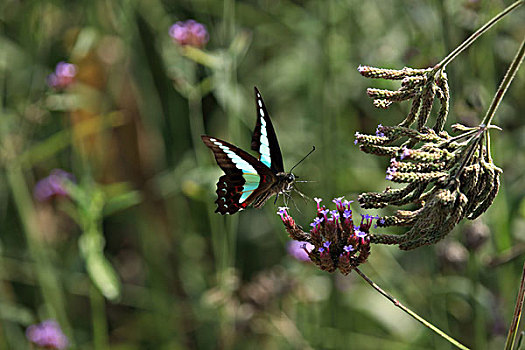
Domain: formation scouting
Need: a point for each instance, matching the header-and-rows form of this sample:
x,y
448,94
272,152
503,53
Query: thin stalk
x,y
502,89
464,45
511,336
411,313
98,319
47,277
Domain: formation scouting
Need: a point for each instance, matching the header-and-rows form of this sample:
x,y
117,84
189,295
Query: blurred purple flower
x,y
47,335
63,76
189,32
297,250
53,185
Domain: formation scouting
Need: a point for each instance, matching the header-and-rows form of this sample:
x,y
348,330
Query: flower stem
x,y
464,45
511,336
410,312
502,89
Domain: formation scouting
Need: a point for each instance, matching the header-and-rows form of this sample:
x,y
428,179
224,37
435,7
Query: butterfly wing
x,y
264,139
245,179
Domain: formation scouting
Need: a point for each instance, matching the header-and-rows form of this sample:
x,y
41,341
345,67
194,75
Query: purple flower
x,y
335,215
335,244
47,335
282,212
299,250
318,201
406,152
348,248
360,233
378,131
63,76
317,222
53,185
189,32
338,201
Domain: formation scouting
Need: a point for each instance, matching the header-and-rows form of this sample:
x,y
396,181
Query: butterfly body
x,y
248,180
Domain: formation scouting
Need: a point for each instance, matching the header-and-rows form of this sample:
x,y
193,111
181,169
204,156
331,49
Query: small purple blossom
x,y
327,244
335,215
318,201
63,76
317,222
338,200
53,185
340,204
299,250
378,131
47,335
190,33
406,152
347,214
321,250
348,248
360,234
391,170
282,212
324,212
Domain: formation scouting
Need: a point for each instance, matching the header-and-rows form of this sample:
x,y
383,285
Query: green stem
x,y
511,336
98,318
47,277
464,45
411,313
502,89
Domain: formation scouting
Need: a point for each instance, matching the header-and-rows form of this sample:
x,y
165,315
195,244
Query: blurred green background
x,y
135,258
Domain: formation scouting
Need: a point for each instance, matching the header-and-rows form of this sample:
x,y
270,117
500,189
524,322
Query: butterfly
x,y
248,180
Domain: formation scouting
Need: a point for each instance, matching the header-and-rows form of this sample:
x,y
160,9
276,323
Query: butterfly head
x,y
287,180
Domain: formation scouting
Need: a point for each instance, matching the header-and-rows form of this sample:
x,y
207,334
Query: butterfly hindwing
x,y
264,139
245,179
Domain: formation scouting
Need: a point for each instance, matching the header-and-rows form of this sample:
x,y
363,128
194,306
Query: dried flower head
x,y
63,76
447,178
47,335
336,242
189,32
53,185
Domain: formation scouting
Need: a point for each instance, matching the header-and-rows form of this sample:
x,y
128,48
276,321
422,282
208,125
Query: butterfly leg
x,y
294,204
303,196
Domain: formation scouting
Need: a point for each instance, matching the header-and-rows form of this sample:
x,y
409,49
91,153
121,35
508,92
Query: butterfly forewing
x,y
264,139
245,179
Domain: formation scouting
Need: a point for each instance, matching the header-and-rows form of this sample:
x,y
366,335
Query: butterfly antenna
x,y
313,149
304,180
276,198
